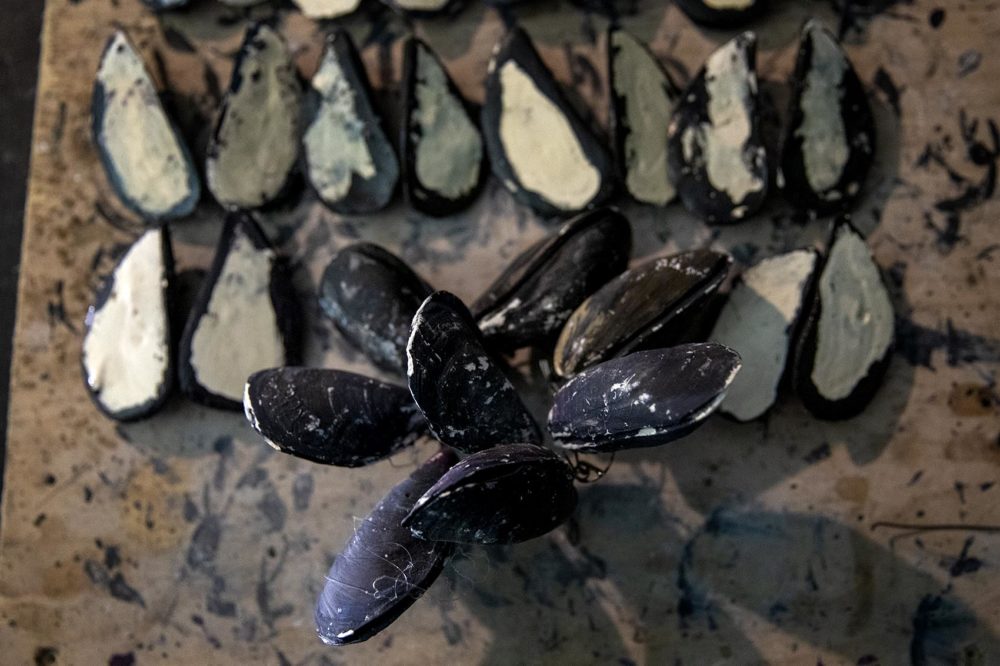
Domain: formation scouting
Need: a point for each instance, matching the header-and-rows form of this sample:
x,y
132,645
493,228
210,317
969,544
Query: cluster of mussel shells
x,y
639,355
626,348
703,144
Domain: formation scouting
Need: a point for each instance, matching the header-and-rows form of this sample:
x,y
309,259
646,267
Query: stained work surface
x,y
789,541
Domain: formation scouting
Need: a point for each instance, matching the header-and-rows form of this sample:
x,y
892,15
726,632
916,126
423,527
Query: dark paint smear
x,y
854,13
936,18
965,564
214,603
940,629
127,659
273,508
302,490
974,193
204,542
916,344
888,88
57,309
116,585
45,656
821,452
969,62
178,40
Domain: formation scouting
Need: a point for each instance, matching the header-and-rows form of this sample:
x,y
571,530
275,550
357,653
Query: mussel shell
x,y
846,345
371,295
639,309
539,147
760,320
326,9
704,13
641,101
506,494
384,568
643,399
829,141
331,416
142,151
128,353
468,401
530,302
254,145
715,151
245,318
442,152
347,157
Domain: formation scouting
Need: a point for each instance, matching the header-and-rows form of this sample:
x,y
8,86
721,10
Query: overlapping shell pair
x,y
507,487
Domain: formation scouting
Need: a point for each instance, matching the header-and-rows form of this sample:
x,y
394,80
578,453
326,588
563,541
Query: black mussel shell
x,y
246,318
141,149
383,569
538,146
128,355
644,307
829,141
254,145
641,103
444,161
346,155
326,9
847,341
507,494
716,153
722,14
530,302
331,416
760,321
643,399
465,396
371,295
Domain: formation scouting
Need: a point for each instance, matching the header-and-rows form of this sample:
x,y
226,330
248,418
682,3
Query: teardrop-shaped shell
x,y
371,295
463,393
643,399
331,416
530,302
539,147
506,494
640,308
829,140
384,568
716,152
443,156
847,342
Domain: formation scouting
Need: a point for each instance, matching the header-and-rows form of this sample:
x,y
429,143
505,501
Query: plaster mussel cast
x,y
331,417
254,144
372,296
468,401
716,154
846,346
128,355
761,320
722,13
327,9
538,146
442,150
654,304
644,399
641,104
143,154
829,141
426,8
530,302
246,318
506,494
346,154
384,568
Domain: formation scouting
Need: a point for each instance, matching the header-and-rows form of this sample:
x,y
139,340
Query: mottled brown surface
x,y
186,539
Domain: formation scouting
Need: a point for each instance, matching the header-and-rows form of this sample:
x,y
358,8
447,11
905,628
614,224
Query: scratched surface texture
x,y
185,539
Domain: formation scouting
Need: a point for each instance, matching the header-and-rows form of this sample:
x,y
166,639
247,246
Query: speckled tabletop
x,y
185,539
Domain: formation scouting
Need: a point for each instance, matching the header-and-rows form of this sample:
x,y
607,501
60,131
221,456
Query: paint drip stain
x,y
972,400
